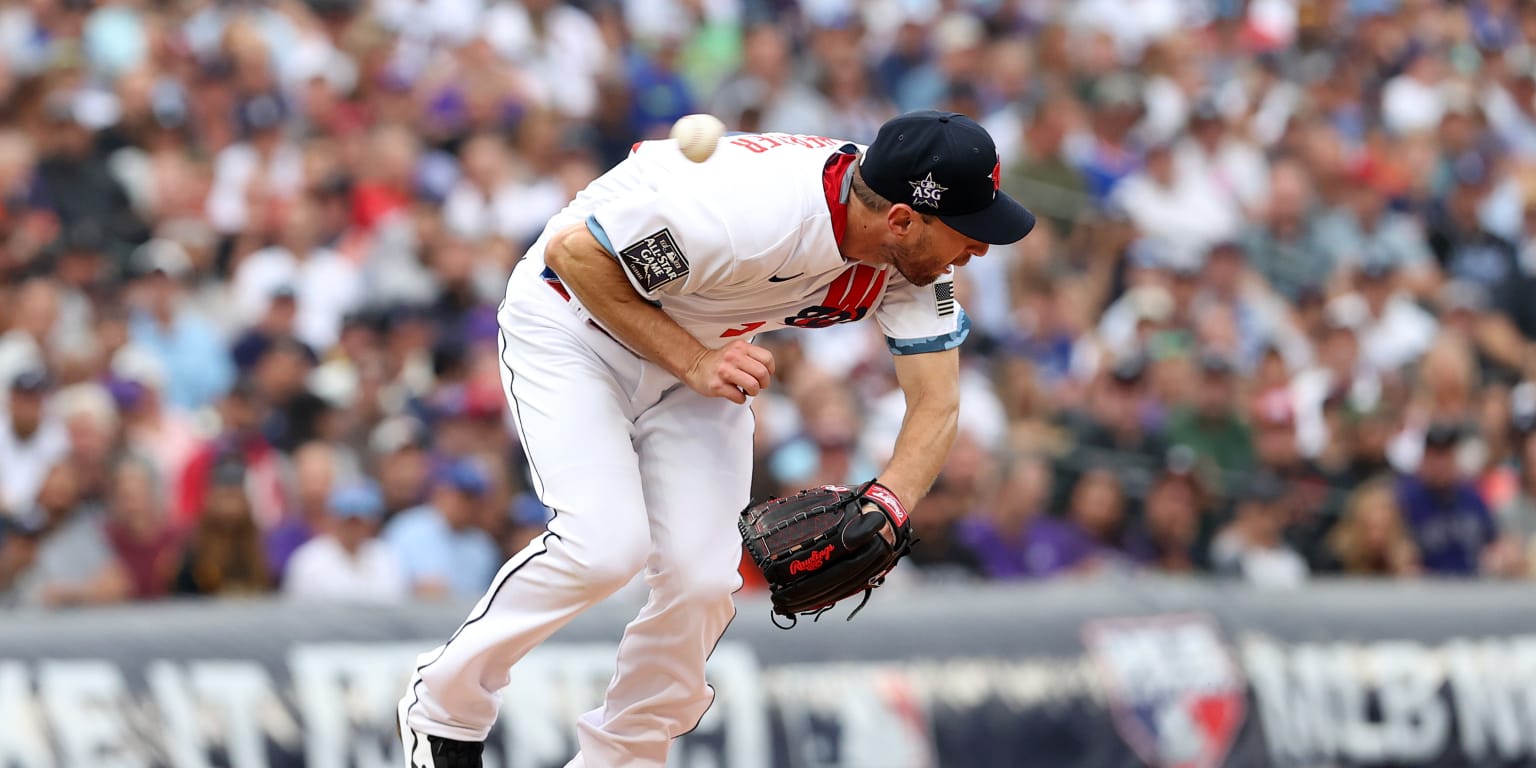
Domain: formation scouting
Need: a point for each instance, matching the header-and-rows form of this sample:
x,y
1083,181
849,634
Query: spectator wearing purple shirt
x,y
945,555
314,476
1089,538
1449,520
1001,536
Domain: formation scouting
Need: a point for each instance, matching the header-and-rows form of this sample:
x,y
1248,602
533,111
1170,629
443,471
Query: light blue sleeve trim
x,y
932,343
602,239
602,236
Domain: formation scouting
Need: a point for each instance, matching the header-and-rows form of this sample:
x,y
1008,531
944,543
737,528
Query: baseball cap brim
x,y
1002,222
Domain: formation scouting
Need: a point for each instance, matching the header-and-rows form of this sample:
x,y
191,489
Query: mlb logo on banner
x,y
1174,690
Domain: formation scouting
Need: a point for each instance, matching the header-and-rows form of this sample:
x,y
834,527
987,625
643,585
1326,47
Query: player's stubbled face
x,y
935,250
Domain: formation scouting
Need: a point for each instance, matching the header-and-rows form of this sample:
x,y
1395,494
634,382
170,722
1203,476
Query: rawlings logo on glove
x,y
825,544
815,561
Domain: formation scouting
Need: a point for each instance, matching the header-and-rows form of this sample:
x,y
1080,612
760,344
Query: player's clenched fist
x,y
733,371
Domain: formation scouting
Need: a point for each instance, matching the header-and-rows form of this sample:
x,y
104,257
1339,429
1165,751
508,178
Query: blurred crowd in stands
x,y
1278,320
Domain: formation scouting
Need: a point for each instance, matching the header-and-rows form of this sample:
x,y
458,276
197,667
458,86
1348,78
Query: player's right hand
x,y
735,372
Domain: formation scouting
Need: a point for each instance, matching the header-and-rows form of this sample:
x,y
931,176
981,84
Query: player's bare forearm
x,y
590,271
930,383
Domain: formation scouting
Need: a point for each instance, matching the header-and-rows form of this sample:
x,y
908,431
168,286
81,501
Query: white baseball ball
x,y
698,135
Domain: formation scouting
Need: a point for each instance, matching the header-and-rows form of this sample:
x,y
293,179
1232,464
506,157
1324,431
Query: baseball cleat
x,y
424,751
435,752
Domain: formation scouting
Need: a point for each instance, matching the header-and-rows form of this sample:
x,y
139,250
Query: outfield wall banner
x,y
1104,675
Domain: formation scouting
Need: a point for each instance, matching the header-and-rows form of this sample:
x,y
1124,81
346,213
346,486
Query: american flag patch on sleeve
x,y
944,298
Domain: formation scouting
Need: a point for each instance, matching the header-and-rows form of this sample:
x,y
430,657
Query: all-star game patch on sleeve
x,y
917,320
655,260
666,243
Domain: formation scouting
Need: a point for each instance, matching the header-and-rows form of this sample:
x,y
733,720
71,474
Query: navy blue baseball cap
x,y
32,381
943,163
464,476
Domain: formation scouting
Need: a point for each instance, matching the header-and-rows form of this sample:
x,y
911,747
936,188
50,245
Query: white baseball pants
x,y
641,472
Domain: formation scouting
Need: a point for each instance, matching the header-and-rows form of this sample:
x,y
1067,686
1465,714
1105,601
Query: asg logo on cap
x,y
926,191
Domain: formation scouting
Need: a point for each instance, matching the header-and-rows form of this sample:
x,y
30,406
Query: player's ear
x,y
901,219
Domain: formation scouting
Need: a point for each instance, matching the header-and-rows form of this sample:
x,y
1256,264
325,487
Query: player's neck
x,y
861,241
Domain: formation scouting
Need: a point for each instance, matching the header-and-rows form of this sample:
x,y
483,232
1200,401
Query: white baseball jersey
x,y
747,242
645,474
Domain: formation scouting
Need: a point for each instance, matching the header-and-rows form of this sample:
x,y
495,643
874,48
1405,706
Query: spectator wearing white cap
x,y
348,562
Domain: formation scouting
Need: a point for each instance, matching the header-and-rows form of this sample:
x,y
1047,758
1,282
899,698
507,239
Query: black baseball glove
x,y
825,544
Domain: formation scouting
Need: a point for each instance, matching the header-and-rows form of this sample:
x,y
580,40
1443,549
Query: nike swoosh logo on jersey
x,y
777,279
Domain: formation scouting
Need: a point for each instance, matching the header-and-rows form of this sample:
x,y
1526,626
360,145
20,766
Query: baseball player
x,y
626,343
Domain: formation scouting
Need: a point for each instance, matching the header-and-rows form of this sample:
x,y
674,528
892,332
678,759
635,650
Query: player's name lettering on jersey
x,y
762,142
